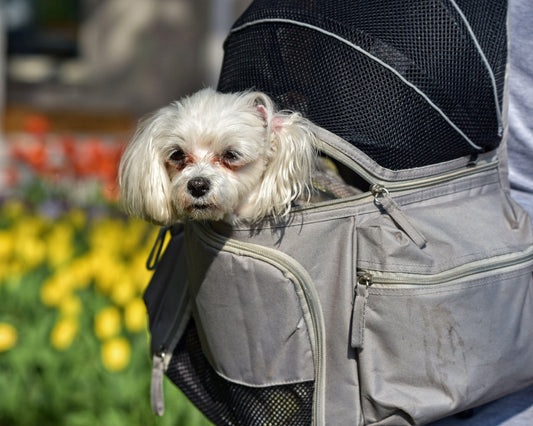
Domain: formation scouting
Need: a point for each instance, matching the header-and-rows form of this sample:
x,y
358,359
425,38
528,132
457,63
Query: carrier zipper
x,y
381,189
383,199
160,362
405,280
395,186
157,396
305,288
405,185
366,279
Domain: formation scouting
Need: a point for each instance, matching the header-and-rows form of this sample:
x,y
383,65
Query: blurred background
x,y
75,76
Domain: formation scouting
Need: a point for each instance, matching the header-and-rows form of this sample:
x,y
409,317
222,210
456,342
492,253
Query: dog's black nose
x,y
198,186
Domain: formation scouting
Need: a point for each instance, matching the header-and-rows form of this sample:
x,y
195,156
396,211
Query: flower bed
x,y
66,160
73,327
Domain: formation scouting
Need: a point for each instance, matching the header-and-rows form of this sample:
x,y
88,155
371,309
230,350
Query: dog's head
x,y
217,156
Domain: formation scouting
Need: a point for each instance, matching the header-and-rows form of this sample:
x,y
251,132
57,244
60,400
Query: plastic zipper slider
x,y
359,310
156,386
383,199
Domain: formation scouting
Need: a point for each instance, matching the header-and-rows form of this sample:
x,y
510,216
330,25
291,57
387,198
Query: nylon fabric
x,y
409,96
409,83
251,326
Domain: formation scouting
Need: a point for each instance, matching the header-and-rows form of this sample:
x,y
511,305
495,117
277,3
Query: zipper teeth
x,y
415,280
430,181
394,187
407,184
277,259
391,186
166,350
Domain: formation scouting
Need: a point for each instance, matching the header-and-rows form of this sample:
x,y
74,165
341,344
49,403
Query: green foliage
x,y
53,370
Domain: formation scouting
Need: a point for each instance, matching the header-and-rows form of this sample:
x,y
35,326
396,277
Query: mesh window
x,y
410,83
226,403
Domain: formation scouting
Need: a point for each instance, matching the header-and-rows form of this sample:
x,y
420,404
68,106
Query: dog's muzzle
x,y
198,187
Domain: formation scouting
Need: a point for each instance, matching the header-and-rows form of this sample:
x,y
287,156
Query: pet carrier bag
x,y
402,304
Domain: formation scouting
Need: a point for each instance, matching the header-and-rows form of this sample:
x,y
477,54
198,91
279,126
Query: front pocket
x,y
227,403
249,318
435,345
259,323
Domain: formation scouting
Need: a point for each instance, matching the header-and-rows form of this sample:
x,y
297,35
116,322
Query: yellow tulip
x,y
59,242
138,272
75,274
30,250
107,323
6,244
123,291
135,315
130,241
77,217
64,333
8,337
116,354
70,305
52,293
56,289
108,271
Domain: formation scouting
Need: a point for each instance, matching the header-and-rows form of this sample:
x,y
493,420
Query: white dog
x,y
215,156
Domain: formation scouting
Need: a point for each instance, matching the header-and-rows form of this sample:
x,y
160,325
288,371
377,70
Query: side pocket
x,y
166,296
167,303
249,316
432,349
248,356
227,403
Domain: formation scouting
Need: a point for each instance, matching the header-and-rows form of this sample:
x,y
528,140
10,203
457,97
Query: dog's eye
x,y
230,156
178,156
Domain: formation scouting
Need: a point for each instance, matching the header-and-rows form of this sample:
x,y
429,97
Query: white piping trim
x,y
485,61
374,58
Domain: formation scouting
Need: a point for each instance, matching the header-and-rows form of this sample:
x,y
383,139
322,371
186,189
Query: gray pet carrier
x,y
404,303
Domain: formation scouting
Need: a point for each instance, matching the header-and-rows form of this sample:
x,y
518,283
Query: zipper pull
x,y
359,310
382,198
156,386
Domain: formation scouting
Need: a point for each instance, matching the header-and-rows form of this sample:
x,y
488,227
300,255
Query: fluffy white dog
x,y
215,156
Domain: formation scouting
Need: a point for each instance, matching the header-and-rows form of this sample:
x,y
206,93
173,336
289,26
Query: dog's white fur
x,y
215,156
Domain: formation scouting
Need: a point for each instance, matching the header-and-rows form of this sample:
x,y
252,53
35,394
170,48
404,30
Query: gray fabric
x,y
513,410
395,175
396,354
331,265
429,351
249,318
425,351
455,227
520,140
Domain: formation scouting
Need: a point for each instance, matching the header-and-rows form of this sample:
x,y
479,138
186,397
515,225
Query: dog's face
x,y
215,159
216,156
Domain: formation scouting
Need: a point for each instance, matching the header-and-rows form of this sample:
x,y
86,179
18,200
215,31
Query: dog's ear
x,y
143,179
271,119
288,175
266,109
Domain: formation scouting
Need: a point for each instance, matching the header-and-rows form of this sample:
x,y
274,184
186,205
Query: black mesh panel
x,y
226,403
402,80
